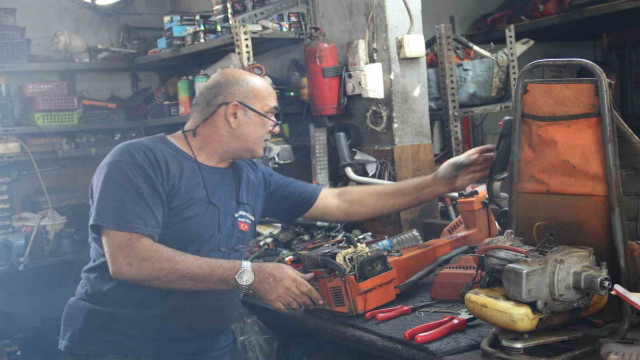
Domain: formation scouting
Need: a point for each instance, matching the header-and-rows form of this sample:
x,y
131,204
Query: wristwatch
x,y
244,277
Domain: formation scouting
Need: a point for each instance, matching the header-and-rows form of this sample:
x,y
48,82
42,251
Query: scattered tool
x,y
437,329
394,312
631,297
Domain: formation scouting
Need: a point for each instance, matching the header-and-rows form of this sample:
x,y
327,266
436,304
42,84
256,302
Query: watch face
x,y
244,277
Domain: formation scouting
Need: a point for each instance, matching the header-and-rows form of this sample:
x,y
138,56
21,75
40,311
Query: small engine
x,y
549,278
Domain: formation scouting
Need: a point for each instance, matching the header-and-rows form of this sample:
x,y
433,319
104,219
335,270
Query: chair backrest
x,y
562,182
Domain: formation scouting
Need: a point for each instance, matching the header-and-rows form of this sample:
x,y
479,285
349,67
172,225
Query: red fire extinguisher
x,y
325,75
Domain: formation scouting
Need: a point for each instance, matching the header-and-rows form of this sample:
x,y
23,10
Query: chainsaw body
x,y
366,278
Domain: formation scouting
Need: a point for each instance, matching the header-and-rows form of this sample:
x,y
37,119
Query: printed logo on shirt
x,y
243,226
244,220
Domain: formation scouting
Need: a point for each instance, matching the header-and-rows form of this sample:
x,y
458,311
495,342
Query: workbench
x,y
382,338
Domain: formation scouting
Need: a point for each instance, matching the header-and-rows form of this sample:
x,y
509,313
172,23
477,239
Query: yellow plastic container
x,y
492,306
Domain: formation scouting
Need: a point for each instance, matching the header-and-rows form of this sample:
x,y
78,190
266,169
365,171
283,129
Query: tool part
x,y
371,314
453,279
550,278
394,312
438,329
626,295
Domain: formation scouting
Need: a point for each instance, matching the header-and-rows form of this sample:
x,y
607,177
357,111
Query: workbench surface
x,y
383,338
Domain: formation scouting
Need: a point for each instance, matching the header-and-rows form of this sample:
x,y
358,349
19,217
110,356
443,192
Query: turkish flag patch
x,y
243,226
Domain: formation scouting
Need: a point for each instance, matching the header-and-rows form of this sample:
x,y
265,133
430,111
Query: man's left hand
x,y
462,170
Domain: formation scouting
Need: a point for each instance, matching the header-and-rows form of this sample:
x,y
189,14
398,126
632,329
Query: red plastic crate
x,y
55,103
12,32
44,89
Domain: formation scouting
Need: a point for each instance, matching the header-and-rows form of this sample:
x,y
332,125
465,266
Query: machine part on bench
x,y
371,266
556,278
433,266
454,278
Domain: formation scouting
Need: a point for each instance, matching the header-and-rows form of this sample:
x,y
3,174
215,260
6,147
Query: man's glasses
x,y
273,119
276,122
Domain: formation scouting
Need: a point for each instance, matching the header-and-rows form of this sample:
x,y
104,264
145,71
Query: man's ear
x,y
233,112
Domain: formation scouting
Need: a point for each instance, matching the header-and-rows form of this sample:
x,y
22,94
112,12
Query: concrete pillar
x,y
407,137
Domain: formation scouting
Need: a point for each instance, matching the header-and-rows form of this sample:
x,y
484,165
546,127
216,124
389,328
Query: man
x,y
170,215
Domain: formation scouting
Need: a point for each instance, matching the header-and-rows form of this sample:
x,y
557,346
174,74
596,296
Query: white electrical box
x,y
352,82
372,82
411,46
363,78
368,81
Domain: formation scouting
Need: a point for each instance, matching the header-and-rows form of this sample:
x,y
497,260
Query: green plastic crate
x,y
56,118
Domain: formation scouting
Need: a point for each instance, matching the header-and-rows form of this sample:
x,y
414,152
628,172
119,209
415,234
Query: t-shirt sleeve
x,y
287,198
127,197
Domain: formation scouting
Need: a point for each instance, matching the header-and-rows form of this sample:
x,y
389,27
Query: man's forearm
x,y
356,203
138,259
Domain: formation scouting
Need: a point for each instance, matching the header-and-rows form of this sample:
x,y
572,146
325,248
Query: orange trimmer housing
x,y
345,295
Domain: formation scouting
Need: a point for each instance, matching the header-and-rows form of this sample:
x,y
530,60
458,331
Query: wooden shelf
x,y
66,66
211,51
582,24
93,127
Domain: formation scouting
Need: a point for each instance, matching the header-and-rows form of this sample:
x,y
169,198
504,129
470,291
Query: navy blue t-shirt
x,y
151,187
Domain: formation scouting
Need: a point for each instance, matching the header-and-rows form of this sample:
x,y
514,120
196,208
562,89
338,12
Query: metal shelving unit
x,y
47,155
93,127
580,24
453,114
66,66
215,49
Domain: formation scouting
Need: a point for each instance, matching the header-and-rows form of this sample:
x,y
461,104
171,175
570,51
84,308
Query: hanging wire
x,y
366,36
406,4
35,167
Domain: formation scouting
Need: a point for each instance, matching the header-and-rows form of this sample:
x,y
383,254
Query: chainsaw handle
x,y
457,324
409,334
403,310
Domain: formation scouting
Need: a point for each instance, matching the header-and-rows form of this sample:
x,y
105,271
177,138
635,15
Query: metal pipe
x,y
371,181
364,180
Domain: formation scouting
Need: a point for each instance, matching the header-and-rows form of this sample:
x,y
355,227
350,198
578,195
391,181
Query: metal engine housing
x,y
553,279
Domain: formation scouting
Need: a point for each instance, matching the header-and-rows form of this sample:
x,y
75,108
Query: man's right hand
x,y
283,287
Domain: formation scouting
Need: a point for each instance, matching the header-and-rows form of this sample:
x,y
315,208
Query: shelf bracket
x,y
242,43
449,87
510,33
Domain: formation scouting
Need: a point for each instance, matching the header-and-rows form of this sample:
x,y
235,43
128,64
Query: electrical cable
x,y
406,4
35,167
366,36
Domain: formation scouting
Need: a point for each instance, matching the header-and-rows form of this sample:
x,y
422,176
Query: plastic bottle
x,y
399,241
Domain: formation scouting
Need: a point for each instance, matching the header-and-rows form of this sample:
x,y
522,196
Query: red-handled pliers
x,y
394,312
437,329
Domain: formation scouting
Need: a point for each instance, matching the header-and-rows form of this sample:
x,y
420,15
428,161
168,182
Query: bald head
x,y
225,85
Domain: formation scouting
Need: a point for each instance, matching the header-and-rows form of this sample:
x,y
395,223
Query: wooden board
x,y
412,161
